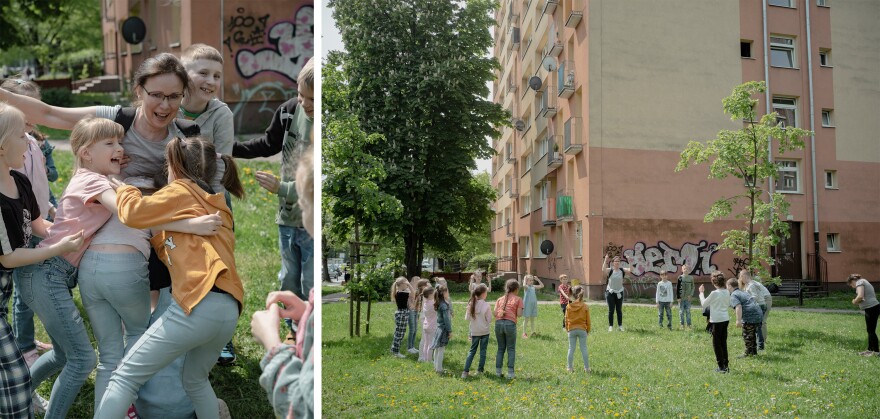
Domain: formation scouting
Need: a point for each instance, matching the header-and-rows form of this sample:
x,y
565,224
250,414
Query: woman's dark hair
x,y
194,158
164,63
718,278
853,278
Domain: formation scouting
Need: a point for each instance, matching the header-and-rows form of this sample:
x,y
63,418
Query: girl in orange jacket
x,y
577,322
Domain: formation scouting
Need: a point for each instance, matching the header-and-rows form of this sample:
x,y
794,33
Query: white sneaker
x,y
610,328
400,355
39,403
620,328
413,350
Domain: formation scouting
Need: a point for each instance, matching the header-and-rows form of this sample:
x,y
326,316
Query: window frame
x,y
579,239
793,107
750,43
797,175
791,48
831,175
527,247
830,122
822,3
825,54
539,237
832,242
790,4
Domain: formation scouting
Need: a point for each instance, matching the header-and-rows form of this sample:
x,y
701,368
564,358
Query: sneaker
x,y
610,328
39,403
42,347
569,369
464,375
722,371
525,336
867,353
498,372
620,328
30,357
413,350
511,376
227,355
399,355
588,370
224,410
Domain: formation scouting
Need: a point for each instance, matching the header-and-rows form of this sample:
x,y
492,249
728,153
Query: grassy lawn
x,y
810,369
258,263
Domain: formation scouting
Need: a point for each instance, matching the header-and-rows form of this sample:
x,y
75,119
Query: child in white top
x,y
429,325
479,314
664,299
719,318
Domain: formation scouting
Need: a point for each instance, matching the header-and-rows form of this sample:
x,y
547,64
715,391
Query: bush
x,y
498,284
457,286
483,262
58,97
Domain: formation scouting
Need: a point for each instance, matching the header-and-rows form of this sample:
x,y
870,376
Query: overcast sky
x,y
331,40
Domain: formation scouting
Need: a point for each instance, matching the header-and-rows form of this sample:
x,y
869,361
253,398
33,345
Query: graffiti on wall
x,y
613,250
738,265
281,47
642,259
262,93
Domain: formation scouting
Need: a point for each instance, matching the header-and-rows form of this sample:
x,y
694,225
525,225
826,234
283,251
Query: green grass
x,y
329,289
837,300
810,369
257,262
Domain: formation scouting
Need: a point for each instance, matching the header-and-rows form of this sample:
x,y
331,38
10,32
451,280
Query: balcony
x,y
572,136
574,12
512,192
547,107
550,6
548,212
565,79
511,87
564,206
509,229
511,16
510,157
553,47
554,160
514,38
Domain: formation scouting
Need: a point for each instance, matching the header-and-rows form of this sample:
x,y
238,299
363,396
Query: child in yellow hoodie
x,y
577,322
206,289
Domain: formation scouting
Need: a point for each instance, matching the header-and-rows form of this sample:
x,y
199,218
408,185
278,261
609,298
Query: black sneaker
x,y
227,355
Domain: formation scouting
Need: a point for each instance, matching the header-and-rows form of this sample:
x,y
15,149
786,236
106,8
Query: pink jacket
x,y
430,322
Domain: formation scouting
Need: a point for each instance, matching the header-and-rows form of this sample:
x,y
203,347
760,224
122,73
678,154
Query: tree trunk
x,y
369,306
325,275
351,315
357,326
411,254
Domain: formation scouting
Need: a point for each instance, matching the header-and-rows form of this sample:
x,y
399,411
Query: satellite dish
x,y
134,30
546,247
549,63
519,125
535,83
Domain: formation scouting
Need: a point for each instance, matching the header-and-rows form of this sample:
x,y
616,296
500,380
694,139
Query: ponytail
x,y
230,179
475,294
441,296
510,287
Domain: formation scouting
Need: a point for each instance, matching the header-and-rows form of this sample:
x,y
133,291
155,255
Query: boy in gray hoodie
x,y
664,299
204,65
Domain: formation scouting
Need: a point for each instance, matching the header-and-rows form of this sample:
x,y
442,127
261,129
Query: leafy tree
x,y
57,34
417,74
744,154
475,242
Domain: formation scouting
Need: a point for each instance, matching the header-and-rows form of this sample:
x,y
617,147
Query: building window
x,y
542,147
788,177
780,3
833,242
527,162
786,111
749,181
745,49
825,57
831,179
524,247
538,239
822,3
826,118
175,24
782,51
578,240
526,204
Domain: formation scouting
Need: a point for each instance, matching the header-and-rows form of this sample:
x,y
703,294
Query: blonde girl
x,y
400,292
577,322
206,290
477,279
444,326
507,309
717,303
415,308
530,303
20,211
429,324
479,314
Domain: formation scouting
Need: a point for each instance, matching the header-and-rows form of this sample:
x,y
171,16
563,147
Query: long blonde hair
x,y
421,284
12,123
398,283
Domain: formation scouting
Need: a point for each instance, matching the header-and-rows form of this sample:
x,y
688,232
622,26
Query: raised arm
x,y
41,113
605,263
540,284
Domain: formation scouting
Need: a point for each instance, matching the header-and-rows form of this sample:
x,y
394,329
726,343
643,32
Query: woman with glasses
x,y
114,279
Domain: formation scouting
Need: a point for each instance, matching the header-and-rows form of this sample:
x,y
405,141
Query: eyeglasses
x,y
173,98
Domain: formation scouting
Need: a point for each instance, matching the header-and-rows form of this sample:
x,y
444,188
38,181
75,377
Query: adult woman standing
x,y
614,290
866,299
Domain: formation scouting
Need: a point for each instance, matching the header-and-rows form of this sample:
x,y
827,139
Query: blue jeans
x,y
684,310
576,336
505,334
482,342
22,315
413,324
297,269
115,290
45,290
200,336
667,307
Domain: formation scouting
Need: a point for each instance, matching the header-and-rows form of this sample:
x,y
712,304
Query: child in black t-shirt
x,y
19,218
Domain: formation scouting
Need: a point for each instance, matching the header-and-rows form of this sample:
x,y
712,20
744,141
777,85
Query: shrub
x,y
58,97
483,262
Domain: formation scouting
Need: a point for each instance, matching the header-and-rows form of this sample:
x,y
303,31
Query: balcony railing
x,y
550,6
565,79
553,47
548,212
554,160
572,136
564,206
548,102
574,13
509,229
512,192
511,158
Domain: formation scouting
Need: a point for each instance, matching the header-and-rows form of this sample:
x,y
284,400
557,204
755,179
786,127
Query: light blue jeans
x,y
684,310
576,336
200,335
45,290
413,324
505,334
115,290
22,315
297,269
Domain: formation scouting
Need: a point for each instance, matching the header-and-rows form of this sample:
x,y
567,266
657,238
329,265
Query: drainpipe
x,y
769,108
813,147
220,43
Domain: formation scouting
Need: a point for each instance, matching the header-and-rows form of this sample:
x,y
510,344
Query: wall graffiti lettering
x,y
613,249
738,265
262,93
287,46
642,286
642,259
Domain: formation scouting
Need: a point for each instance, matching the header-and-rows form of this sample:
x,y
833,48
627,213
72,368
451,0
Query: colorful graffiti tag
x,y
643,259
281,48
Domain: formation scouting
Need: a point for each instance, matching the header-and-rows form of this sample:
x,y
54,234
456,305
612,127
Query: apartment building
x,y
606,94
